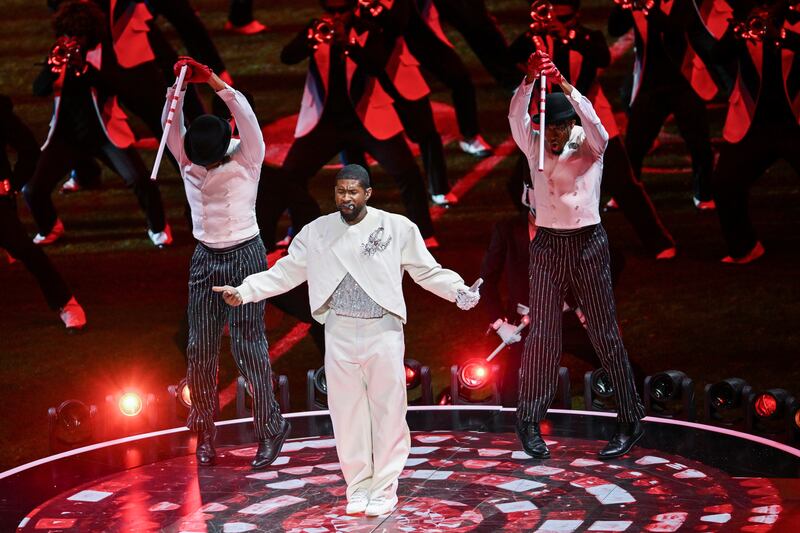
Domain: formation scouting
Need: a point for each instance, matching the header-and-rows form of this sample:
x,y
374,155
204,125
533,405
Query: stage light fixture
x,y
725,401
412,369
598,391
181,401
474,374
244,395
766,406
316,389
418,376
772,412
184,394
70,425
130,404
129,413
474,382
669,394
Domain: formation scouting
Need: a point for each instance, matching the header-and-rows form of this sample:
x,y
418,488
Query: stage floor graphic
x,y
455,480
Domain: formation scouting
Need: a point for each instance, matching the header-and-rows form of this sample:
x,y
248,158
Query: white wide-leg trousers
x,y
367,400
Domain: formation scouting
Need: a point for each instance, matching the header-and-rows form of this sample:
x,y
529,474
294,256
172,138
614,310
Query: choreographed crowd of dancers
x,y
365,88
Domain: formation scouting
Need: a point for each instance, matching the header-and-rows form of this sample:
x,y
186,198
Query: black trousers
x,y
240,12
308,154
476,24
208,314
444,63
577,261
650,109
417,119
58,158
17,242
739,166
620,182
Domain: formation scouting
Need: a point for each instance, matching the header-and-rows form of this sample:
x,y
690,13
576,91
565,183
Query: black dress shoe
x,y
627,434
269,448
532,442
206,454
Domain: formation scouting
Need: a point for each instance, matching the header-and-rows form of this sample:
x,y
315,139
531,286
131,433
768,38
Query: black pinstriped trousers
x,y
577,260
208,314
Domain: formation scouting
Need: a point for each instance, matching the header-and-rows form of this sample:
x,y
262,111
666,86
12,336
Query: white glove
x,y
468,297
507,333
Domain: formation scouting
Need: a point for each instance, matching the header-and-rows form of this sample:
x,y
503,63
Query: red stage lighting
x,y
766,405
474,374
130,404
797,418
184,394
413,369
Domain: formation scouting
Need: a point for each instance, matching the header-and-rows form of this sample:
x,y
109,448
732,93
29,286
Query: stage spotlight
x,y
474,374
766,406
725,401
795,433
418,376
474,382
71,425
130,404
598,391
772,412
244,395
316,389
183,394
669,394
178,408
412,369
129,413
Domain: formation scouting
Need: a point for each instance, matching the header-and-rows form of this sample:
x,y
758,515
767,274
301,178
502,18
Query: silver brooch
x,y
374,243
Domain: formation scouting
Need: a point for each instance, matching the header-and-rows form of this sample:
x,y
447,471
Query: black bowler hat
x,y
207,140
556,109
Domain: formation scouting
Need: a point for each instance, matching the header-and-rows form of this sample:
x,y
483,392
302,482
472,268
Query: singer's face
x,y
556,136
351,198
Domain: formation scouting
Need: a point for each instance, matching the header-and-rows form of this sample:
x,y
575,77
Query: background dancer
x,y
569,252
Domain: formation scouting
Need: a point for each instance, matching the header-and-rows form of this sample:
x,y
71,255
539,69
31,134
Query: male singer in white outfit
x,y
354,260
569,252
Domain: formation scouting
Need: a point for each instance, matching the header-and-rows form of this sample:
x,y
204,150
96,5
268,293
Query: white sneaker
x,y
612,205
444,200
381,505
704,205
162,238
476,146
71,185
72,315
53,236
357,503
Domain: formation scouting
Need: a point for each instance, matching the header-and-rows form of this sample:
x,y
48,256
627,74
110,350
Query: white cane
x,y
542,94
172,107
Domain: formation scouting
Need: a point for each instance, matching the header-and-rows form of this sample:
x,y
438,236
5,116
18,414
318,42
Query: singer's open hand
x,y
229,294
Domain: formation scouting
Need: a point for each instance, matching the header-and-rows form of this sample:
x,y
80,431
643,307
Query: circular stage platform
x,y
466,472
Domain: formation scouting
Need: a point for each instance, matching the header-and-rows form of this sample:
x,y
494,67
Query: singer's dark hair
x,y
354,172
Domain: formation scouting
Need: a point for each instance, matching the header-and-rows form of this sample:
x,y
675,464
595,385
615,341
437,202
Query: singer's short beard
x,y
349,217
